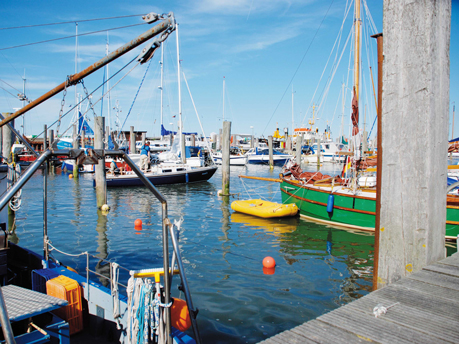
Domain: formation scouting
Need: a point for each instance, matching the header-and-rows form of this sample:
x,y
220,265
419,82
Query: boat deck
x,y
421,308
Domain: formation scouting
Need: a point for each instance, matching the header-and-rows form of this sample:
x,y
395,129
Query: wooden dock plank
x,y
443,269
440,280
435,305
376,329
427,312
322,332
451,260
404,315
288,337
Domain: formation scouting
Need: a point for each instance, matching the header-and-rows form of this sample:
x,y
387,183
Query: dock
x,y
421,308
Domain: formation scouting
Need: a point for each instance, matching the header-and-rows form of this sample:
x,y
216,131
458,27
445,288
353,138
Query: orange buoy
x,y
138,223
269,262
70,176
180,317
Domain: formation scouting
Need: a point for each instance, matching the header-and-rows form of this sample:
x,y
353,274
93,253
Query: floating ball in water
x,y
105,207
269,262
138,224
70,176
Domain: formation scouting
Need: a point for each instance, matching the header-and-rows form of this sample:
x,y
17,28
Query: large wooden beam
x,y
414,129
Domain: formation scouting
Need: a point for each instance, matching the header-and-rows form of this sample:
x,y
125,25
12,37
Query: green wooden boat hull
x,y
348,211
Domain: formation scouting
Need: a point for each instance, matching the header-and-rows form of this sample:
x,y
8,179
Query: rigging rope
x,y
299,65
133,102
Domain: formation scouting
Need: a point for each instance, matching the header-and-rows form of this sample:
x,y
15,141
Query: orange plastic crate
x,y
67,289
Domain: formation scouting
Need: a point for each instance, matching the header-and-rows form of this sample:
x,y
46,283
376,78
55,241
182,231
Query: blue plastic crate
x,y
39,278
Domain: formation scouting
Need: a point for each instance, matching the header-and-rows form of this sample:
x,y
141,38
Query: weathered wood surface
x,y
425,309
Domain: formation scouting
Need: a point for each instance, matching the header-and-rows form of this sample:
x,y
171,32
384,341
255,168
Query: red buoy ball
x,y
138,223
269,262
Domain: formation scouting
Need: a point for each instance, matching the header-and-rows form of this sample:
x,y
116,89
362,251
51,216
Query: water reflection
x,y
102,267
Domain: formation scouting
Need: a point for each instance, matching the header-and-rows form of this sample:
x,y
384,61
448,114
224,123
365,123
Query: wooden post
x,y
364,142
270,150
107,135
182,148
8,139
132,140
226,135
48,143
144,138
379,38
288,145
99,125
318,153
82,139
193,140
299,143
415,105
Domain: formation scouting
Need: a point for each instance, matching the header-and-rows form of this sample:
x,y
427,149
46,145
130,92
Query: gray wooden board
x,y
289,337
435,279
443,269
451,260
435,305
422,287
322,332
420,320
376,329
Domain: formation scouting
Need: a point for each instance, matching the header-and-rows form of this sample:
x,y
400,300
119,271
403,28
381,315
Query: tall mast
x,y
223,98
179,89
161,87
108,88
76,115
292,113
24,98
357,49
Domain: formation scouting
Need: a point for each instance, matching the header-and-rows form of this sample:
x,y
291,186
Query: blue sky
x,y
265,49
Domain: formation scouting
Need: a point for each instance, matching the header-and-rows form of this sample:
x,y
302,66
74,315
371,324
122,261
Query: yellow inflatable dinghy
x,y
265,209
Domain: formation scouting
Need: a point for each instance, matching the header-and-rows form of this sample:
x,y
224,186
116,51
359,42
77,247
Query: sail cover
x,y
83,125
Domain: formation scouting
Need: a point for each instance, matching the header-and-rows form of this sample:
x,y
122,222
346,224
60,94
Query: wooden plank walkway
x,y
426,310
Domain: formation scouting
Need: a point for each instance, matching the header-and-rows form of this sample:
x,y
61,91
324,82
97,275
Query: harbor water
x,y
319,268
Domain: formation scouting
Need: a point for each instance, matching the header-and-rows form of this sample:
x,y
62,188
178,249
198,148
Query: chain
x,y
88,98
61,112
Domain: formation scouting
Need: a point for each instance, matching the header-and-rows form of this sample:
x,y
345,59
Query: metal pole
x,y
5,321
379,38
186,289
168,23
24,178
45,200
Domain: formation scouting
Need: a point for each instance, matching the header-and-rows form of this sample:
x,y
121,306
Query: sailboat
x,y
347,202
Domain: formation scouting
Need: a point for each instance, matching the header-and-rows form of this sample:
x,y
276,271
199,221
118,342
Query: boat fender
x,y
180,317
330,202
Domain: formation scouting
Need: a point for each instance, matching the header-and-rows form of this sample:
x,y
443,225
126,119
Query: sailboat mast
x,y
161,87
223,98
76,115
108,88
179,89
357,49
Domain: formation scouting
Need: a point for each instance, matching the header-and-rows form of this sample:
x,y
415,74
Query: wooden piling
x,y
270,149
47,143
132,140
8,139
82,139
415,105
318,153
299,143
144,138
226,134
101,195
182,149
